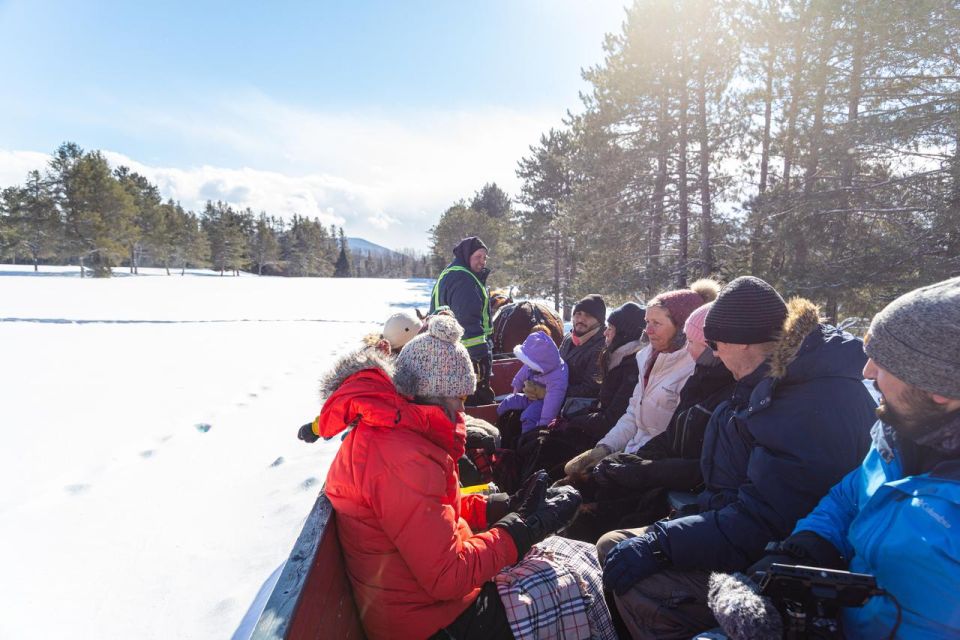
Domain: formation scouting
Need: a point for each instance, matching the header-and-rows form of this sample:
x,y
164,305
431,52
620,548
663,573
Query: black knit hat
x,y
747,311
629,321
594,305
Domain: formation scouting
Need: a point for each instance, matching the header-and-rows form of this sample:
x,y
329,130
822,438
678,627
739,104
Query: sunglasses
x,y
712,344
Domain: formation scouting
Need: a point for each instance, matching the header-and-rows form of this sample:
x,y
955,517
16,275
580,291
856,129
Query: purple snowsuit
x,y
541,363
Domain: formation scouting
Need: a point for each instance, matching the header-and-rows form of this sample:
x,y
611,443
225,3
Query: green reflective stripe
x,y
484,314
472,342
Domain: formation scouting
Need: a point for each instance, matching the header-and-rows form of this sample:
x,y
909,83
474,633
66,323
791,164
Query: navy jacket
x,y
465,293
789,433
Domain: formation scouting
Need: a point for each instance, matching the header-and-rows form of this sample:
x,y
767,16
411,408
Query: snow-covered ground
x,y
150,475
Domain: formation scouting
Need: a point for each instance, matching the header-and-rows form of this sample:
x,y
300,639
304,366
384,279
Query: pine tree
x,y
342,267
98,213
225,229
33,219
264,248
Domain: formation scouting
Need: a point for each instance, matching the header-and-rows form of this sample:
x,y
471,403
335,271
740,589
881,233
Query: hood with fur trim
x,y
352,363
359,390
808,349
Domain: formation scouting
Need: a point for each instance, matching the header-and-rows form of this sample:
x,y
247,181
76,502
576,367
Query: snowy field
x,y
150,475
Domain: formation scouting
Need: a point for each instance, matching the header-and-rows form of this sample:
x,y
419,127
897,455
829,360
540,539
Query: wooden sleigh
x,y
313,597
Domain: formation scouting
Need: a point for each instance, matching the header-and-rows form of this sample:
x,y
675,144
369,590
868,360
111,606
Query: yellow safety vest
x,y
484,314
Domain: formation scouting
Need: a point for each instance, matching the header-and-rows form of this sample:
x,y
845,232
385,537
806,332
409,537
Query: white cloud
x,y
15,165
384,176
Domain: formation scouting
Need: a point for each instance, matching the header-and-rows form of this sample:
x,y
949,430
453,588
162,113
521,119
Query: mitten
x,y
534,390
306,433
584,462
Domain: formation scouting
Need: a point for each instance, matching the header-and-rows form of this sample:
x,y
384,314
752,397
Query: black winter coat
x,y
583,363
672,459
614,396
789,434
468,300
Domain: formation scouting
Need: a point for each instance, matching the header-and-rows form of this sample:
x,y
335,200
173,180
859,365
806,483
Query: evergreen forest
x,y
81,211
812,143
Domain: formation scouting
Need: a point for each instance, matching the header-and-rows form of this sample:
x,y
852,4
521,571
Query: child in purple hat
x,y
540,385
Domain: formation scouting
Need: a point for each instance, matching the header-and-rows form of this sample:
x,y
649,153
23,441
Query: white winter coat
x,y
651,406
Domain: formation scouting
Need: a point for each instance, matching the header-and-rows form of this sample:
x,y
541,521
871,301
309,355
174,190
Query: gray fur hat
x,y
435,364
917,338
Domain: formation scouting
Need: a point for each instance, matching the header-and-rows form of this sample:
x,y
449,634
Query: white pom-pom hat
x,y
435,364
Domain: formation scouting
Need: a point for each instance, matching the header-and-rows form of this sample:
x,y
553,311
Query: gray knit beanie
x,y
917,338
435,364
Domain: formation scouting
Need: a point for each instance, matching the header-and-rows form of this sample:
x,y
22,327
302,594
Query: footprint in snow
x,y
251,395
309,482
202,427
277,462
149,453
77,489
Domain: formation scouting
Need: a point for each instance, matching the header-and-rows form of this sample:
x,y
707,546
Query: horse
x,y
514,321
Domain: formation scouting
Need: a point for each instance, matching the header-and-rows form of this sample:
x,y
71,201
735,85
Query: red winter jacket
x,y
411,554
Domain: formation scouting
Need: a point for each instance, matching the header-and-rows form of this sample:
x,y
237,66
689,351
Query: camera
x,y
809,598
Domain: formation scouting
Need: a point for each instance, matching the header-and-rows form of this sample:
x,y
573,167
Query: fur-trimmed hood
x,y
806,350
802,318
359,391
354,362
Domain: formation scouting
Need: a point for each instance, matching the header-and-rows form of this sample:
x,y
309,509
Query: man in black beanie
x,y
798,420
582,346
462,288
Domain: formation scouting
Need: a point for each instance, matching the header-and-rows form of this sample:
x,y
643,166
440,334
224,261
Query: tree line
x,y
813,143
81,211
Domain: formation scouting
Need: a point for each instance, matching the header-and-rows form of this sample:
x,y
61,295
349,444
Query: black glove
x,y
540,514
632,560
804,547
500,504
622,470
306,433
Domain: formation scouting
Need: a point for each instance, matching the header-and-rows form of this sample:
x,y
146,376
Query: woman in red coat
x,y
413,554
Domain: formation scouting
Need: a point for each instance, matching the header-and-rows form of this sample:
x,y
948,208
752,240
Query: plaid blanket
x,y
556,592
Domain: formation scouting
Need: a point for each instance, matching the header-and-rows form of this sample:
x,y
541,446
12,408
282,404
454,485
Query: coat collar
x,y
621,352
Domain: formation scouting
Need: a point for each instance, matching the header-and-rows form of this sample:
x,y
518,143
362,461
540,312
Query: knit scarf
x,y
579,340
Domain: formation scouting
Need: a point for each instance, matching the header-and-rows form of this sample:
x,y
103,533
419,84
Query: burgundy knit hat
x,y
681,302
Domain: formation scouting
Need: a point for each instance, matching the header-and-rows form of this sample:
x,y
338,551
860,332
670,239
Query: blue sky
x,y
374,115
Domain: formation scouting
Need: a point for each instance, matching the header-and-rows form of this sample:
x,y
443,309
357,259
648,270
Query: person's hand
x,y
631,561
540,513
531,495
534,390
306,433
584,462
620,469
803,547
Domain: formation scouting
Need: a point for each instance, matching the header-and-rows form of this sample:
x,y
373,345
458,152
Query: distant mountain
x,y
360,246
